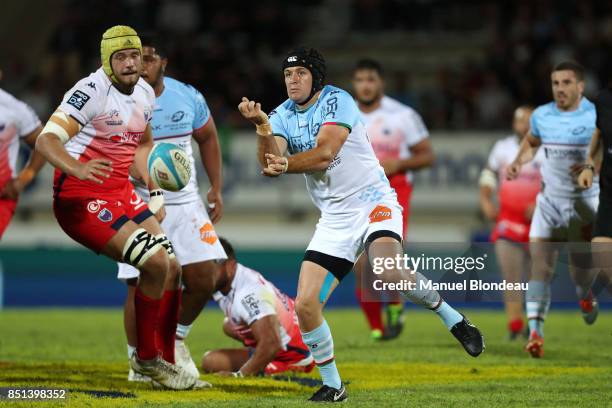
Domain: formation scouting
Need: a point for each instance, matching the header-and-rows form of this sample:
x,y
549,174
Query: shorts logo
x,y
94,206
78,99
105,215
380,213
208,234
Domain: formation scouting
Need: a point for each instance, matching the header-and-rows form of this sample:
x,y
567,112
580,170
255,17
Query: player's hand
x,y
277,165
513,170
489,210
12,189
391,166
96,170
214,205
252,111
582,173
585,178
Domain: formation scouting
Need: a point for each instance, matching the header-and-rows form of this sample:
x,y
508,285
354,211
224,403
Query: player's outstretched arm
x,y
586,170
50,144
527,151
36,162
210,153
267,143
269,343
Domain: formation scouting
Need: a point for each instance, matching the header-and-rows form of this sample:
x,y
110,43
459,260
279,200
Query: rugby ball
x,y
169,166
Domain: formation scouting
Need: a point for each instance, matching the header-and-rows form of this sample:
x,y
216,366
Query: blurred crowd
x,y
523,40
231,48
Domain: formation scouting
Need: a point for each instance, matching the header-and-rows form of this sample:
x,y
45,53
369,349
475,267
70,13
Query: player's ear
x,y
164,62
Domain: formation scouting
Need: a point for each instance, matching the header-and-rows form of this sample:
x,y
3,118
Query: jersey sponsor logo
x,y
105,215
127,137
177,116
564,154
78,99
335,163
297,145
579,130
329,111
113,118
380,213
92,85
251,304
208,234
372,194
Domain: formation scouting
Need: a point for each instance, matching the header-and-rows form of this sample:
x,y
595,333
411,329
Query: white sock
x,y
131,350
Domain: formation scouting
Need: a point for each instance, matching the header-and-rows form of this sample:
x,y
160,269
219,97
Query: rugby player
x,y
17,122
564,211
180,115
512,217
262,318
401,144
321,128
100,129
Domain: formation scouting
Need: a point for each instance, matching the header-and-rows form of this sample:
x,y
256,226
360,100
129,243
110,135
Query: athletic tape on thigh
x,y
326,287
163,240
139,247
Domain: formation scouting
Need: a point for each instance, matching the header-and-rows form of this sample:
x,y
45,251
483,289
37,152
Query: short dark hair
x,y
368,63
154,41
227,247
573,66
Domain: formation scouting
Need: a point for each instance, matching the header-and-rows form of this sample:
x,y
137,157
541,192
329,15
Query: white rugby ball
x,y
169,166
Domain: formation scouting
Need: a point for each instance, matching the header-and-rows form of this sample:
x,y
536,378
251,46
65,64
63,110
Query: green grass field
x,y
84,350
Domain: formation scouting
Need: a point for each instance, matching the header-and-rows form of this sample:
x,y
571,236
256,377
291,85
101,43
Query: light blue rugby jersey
x,y
565,140
354,178
179,111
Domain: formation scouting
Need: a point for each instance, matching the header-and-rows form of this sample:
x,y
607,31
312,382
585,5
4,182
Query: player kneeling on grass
x,y
262,318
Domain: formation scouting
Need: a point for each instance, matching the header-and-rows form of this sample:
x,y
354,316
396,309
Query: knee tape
x,y
163,240
139,247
